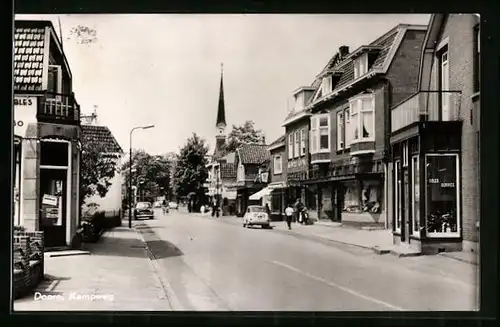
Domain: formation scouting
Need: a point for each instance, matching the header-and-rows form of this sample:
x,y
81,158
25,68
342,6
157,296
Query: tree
x,y
244,134
96,170
83,34
151,174
191,171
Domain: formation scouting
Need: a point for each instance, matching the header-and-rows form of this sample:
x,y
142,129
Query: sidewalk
x,y
378,240
116,276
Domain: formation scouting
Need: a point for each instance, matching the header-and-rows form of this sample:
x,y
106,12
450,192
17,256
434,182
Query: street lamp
x,y
130,174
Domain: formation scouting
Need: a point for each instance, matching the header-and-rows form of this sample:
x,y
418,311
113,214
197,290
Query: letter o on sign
x,y
18,123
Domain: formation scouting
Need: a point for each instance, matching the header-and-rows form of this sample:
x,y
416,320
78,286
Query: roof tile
x,y
28,57
103,135
253,153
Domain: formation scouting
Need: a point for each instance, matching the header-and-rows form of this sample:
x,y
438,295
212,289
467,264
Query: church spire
x,y
221,111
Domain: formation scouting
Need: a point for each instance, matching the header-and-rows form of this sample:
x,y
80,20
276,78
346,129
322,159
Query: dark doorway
x,y
53,187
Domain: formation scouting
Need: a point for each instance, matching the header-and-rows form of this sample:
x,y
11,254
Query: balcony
x,y
426,106
59,109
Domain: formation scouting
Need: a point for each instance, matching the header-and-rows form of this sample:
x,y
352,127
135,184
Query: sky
x,y
165,69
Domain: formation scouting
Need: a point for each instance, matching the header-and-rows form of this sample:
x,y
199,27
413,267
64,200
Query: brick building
x,y
435,142
47,135
297,149
278,177
348,115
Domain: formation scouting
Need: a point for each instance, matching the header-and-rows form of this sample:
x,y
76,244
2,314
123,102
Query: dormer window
x,y
326,85
360,65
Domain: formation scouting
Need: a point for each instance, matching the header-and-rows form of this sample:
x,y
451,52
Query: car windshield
x,y
257,209
143,205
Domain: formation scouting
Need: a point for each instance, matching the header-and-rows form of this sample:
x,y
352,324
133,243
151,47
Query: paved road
x,y
219,265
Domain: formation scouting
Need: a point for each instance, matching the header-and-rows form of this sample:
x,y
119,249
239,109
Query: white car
x,y
256,215
173,205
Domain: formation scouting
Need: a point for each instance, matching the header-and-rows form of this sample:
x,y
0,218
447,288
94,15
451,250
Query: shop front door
x,y
53,204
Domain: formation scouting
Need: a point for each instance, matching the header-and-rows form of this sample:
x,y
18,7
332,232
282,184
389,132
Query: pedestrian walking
x,y
298,210
289,215
268,210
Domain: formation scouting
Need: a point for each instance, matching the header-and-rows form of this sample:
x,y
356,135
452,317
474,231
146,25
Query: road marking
x,y
52,285
345,289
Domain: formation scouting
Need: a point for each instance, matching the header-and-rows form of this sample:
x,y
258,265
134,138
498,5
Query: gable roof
x,y
253,153
102,135
278,143
228,170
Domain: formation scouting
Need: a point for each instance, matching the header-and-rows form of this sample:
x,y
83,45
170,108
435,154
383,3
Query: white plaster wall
x,y
112,200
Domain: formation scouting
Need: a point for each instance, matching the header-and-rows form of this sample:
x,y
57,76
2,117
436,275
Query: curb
x,y
459,259
66,253
167,287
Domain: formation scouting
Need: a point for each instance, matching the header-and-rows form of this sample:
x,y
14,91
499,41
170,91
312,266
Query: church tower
x,y
220,124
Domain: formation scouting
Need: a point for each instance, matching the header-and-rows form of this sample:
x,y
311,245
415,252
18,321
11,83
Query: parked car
x,y
144,210
157,204
173,205
256,215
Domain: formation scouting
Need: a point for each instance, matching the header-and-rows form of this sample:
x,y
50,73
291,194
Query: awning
x,y
259,195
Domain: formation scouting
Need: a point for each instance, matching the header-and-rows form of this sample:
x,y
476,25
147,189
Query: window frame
x,y
290,146
397,200
313,137
360,62
318,132
477,58
303,142
278,160
326,85
296,144
458,198
356,117
415,163
58,88
340,130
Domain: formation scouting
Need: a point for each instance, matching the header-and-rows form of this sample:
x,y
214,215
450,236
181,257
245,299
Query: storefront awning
x,y
257,196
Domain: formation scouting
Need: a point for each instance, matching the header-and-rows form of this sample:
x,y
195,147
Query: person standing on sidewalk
x,y
298,210
289,215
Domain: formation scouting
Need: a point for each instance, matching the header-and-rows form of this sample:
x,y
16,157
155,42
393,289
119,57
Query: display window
x,y
442,198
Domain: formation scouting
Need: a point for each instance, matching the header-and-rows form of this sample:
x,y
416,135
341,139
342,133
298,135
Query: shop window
x,y
416,196
397,195
442,209
276,202
404,154
311,199
54,153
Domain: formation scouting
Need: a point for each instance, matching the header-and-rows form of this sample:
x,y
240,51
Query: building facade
x,y
349,121
47,135
248,161
111,203
435,142
278,177
297,151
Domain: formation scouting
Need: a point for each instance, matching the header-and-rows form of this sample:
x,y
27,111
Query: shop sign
x,y
49,200
25,110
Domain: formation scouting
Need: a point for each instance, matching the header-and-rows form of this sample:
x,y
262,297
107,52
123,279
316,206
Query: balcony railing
x,y
59,108
426,106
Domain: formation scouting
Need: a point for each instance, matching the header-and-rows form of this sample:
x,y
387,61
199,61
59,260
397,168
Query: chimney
x,y
344,50
263,140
